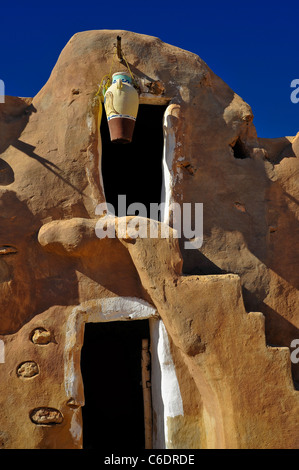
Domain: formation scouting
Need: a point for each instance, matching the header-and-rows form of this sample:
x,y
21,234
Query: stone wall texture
x,y
230,307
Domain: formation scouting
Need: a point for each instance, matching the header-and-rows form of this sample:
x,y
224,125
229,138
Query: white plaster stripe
x,y
171,395
168,156
2,352
76,428
170,390
119,308
74,325
157,401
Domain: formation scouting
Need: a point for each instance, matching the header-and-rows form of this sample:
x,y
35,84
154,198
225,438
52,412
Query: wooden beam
x,y
147,396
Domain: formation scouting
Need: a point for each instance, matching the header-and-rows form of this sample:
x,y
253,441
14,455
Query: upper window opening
x,y
135,169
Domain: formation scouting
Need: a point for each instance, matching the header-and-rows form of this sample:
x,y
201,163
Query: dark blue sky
x,y
253,46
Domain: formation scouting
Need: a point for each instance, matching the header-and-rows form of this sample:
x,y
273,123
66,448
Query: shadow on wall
x,y
31,280
14,117
29,151
246,207
278,331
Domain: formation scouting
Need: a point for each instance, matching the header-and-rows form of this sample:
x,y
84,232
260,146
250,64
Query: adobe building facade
x,y
221,316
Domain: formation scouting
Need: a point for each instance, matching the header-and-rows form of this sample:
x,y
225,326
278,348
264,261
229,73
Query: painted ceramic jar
x,y
121,104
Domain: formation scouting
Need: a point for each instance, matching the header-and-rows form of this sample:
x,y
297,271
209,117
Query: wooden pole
x,y
118,49
147,398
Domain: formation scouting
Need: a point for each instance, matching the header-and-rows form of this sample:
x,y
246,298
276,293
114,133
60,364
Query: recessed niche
x,y
41,336
27,369
45,416
240,150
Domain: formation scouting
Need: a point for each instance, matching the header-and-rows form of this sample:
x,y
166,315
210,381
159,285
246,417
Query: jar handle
x,y
119,83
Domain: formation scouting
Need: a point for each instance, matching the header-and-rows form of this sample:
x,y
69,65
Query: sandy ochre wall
x,y
230,306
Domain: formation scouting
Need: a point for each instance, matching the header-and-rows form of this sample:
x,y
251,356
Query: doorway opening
x,y
135,169
113,414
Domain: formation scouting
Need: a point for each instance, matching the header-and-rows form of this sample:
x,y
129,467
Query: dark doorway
x,y
113,415
135,169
